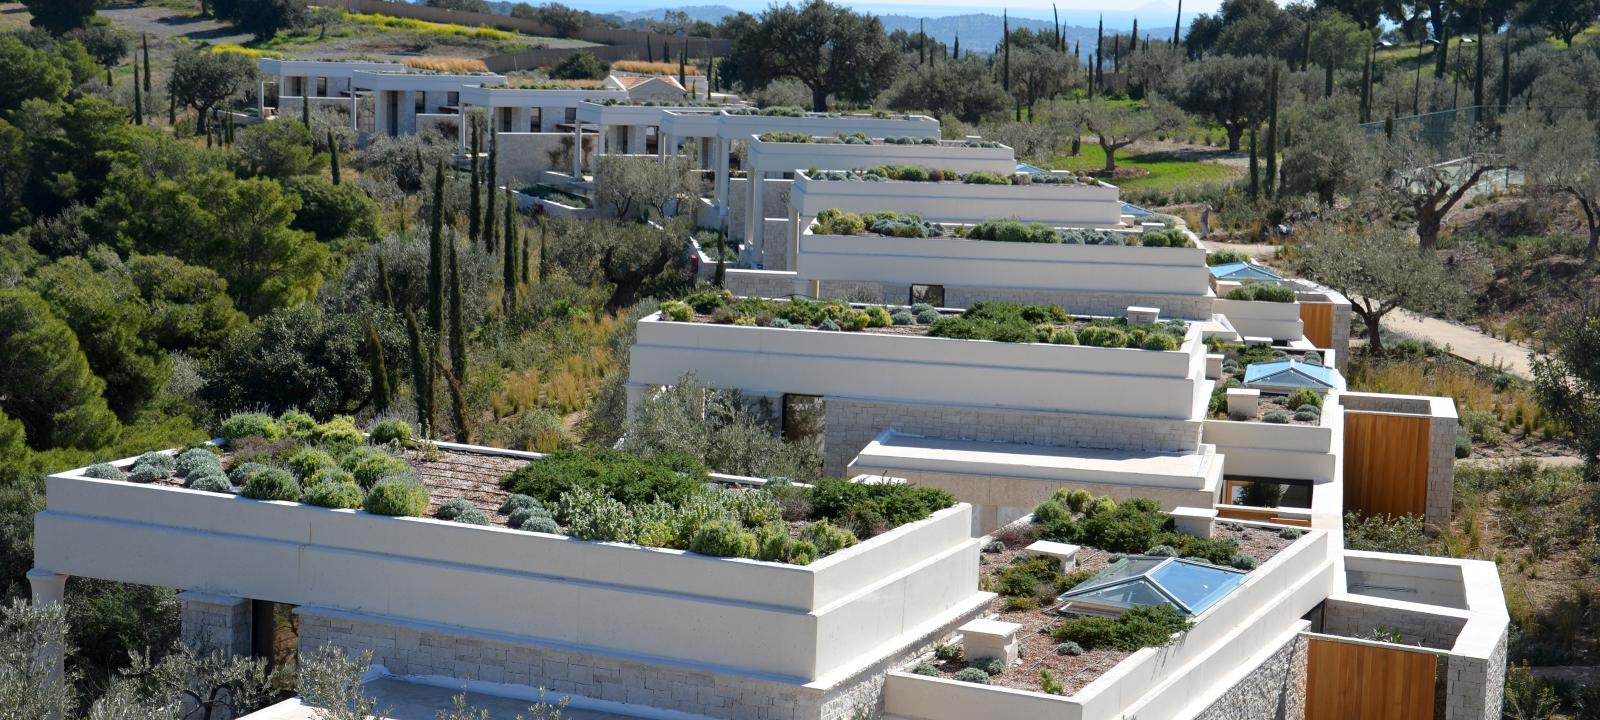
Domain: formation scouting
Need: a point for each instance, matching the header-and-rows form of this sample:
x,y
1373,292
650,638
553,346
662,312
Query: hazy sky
x,y
1077,9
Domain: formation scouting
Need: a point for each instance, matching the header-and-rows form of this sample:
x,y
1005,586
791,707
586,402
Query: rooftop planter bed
x,y
1063,654
708,604
1302,407
554,194
1000,322
917,173
674,103
908,225
784,111
547,84
861,138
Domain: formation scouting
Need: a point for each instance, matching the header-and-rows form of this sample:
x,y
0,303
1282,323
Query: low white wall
x,y
1062,205
958,262
1279,321
792,157
925,370
1290,452
781,620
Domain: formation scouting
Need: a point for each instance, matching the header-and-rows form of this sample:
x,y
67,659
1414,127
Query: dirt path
x,y
169,23
1550,461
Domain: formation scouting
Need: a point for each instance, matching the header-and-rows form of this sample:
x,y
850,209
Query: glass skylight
x,y
1190,586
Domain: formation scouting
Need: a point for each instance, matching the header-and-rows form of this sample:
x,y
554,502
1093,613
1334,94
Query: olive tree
x,y
1560,157
1568,378
1380,270
1332,155
202,80
1230,90
1430,176
634,186
829,48
1116,125
29,635
623,253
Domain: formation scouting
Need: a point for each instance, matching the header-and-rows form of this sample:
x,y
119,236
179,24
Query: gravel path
x,y
168,23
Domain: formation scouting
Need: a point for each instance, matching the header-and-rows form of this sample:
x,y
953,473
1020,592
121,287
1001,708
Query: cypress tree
x,y
1056,17
333,156
922,41
1443,56
1416,84
488,213
1272,132
1505,72
1177,24
1388,127
957,52
1255,171
1099,52
683,65
1305,48
383,284
523,253
509,262
421,375
474,207
379,392
305,118
458,401
1005,27
172,104
1116,54
1477,81
1366,88
144,42
436,258
458,325
649,49
138,99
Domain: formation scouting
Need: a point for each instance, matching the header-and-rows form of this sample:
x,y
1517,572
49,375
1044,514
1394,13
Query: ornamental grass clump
x,y
403,497
272,484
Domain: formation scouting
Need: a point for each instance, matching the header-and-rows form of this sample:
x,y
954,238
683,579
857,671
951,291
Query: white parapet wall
x,y
918,370
772,156
781,622
1171,682
961,263
1087,205
1253,318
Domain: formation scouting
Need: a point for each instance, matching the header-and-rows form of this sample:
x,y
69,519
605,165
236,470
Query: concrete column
x,y
355,108
212,623
49,588
755,215
577,150
461,129
720,151
261,99
664,146
635,393
794,237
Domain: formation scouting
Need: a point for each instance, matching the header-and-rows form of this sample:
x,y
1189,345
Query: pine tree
x,y
138,99
421,375
489,217
475,207
379,392
436,254
385,286
458,325
509,262
1272,132
333,156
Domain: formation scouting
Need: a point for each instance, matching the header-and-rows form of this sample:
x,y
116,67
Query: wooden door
x,y
1386,463
1350,681
1318,321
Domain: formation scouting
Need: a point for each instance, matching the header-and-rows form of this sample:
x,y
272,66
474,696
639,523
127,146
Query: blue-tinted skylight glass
x,y
1125,595
1196,586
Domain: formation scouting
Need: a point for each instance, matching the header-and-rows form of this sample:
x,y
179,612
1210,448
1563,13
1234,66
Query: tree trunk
x,y
1374,323
1428,224
1325,195
1111,157
819,98
1235,133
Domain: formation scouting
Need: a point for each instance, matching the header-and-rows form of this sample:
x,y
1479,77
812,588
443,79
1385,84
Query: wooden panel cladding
x,y
1318,321
1269,515
1385,463
1350,681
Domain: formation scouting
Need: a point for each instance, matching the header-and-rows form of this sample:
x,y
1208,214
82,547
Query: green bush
x,y
449,509
1243,562
708,299
774,545
272,484
522,515
871,508
370,469
925,669
242,474
1165,238
338,435
827,537
1260,292
1211,550
993,666
903,317
1159,341
339,495
211,483
1100,336
518,502
1139,627
1064,336
723,538
1225,257
1276,417
158,463
1013,231
1075,500
471,516
103,471
1305,396
394,430
1162,551
329,475
194,459
1384,533
242,425
296,424
1069,648
305,462
983,177
994,546
677,311
1306,415
397,496
878,317
1050,511
836,222
948,652
1089,633
541,524
668,477
972,675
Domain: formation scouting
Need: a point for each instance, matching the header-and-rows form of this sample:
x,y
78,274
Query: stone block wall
x,y
1441,470
851,424
215,622
1275,690
759,283
1475,687
405,648
1350,618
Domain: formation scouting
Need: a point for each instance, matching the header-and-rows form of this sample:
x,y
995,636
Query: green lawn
x,y
1168,170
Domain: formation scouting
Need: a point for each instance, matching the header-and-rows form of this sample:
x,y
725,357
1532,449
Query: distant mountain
x,y
708,13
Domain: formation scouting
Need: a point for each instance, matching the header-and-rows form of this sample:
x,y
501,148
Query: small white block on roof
x,y
1256,340
1196,522
1214,366
1243,403
1142,315
1066,553
990,639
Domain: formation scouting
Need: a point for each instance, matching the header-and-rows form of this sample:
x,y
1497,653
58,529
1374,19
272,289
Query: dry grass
x,y
571,380
447,65
1513,402
553,84
652,68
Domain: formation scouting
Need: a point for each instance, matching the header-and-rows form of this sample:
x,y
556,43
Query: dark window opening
x,y
930,294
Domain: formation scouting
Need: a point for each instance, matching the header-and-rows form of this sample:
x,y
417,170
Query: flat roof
x,y
894,452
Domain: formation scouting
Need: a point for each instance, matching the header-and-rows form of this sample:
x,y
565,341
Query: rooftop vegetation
x,y
654,68
546,191
447,65
1262,292
896,224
